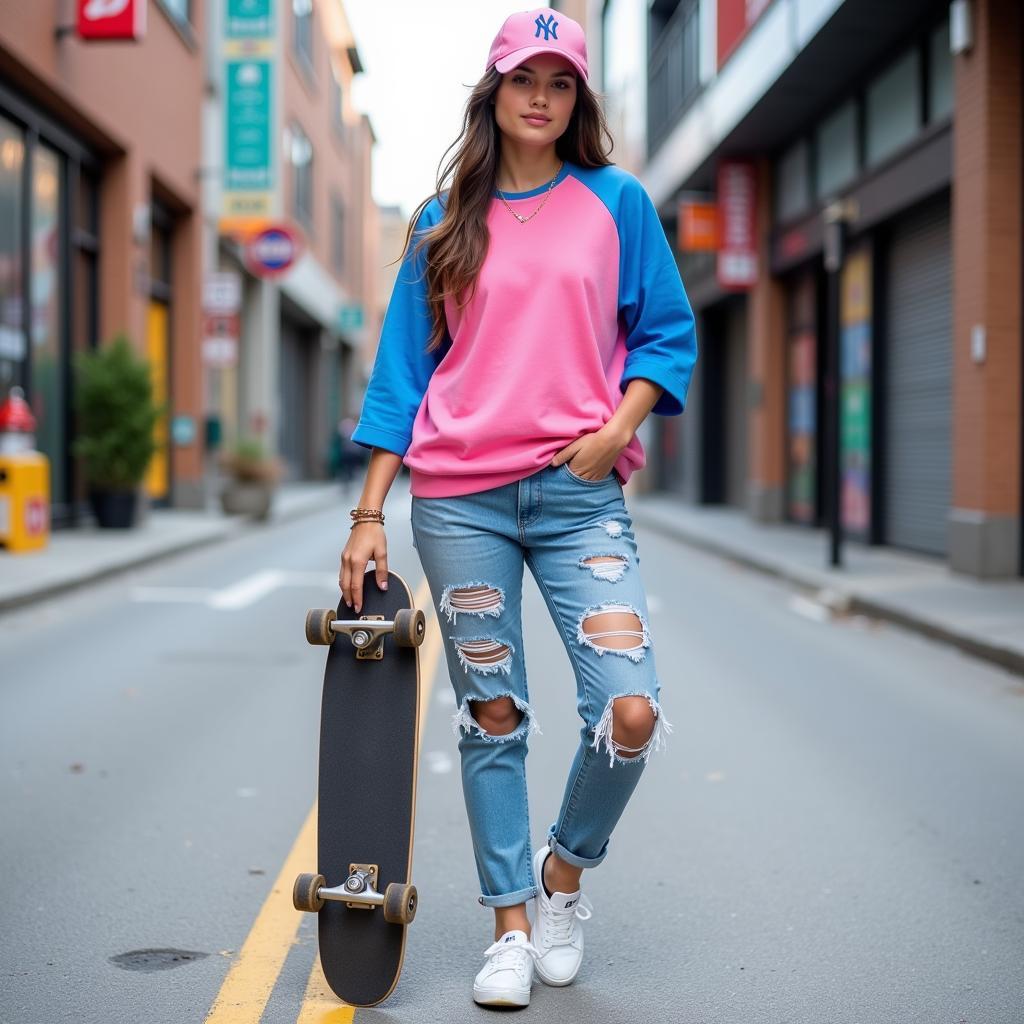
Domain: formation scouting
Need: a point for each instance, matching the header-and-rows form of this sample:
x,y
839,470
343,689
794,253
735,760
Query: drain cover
x,y
155,959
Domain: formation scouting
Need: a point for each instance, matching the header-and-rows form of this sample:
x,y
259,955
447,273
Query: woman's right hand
x,y
366,541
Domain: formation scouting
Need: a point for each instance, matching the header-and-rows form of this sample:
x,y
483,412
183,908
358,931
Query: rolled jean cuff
x,y
571,858
508,899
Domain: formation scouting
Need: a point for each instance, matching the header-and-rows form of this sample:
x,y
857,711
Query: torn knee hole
x,y
606,567
626,720
500,718
614,627
471,599
633,723
485,655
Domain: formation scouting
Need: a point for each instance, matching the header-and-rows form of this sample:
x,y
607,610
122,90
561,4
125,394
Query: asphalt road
x,y
835,833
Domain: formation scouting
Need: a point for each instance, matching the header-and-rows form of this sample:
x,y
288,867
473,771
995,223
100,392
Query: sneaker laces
x,y
504,956
560,924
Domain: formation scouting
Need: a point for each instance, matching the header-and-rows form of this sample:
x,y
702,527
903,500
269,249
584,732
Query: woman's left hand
x,y
593,455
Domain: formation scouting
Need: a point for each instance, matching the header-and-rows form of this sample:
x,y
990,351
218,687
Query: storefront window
x,y
940,74
793,184
48,398
12,338
893,108
836,147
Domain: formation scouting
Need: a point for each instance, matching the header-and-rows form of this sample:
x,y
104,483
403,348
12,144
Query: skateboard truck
x,y
357,892
368,631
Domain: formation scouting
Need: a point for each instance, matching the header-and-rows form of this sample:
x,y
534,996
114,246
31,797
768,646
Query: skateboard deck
x,y
367,790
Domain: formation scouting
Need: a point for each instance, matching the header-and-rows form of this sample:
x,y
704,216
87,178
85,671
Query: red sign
x,y
220,339
37,516
735,18
273,251
737,225
112,19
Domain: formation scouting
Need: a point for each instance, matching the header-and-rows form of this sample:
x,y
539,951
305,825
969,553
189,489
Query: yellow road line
x,y
249,982
321,1005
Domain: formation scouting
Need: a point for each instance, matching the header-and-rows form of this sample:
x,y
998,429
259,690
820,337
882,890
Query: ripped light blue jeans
x,y
577,538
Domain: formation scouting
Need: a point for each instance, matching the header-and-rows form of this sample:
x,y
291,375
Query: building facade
x,y
299,371
101,228
112,162
862,161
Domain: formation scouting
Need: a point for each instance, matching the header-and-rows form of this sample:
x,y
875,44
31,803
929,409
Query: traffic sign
x,y
273,250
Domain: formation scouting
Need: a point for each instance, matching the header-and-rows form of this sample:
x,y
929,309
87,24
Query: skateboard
x,y
362,891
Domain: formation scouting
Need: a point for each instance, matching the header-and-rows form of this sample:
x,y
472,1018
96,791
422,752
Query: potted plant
x,y
252,479
116,416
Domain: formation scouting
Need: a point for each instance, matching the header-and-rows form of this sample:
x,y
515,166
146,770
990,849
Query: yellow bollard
x,y
24,479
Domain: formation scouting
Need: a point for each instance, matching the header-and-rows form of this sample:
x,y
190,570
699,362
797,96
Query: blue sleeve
x,y
661,342
401,369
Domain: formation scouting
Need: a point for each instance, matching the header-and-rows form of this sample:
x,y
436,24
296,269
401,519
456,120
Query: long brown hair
x,y
458,243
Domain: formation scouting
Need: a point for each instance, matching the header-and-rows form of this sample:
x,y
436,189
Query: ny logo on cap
x,y
548,26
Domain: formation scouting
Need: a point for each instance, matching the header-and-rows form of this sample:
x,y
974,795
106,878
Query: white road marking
x,y
808,609
171,594
248,591
238,595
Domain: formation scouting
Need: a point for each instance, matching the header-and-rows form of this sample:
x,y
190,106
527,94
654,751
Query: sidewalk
x,y
76,557
985,619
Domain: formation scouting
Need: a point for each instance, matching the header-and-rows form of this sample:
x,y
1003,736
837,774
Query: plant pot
x,y
114,510
248,498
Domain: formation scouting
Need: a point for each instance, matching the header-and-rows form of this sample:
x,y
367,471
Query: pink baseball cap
x,y
541,30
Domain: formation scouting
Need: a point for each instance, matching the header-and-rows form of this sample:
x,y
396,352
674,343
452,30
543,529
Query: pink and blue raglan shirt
x,y
569,307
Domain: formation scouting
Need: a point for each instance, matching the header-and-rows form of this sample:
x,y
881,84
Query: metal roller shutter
x,y
919,382
736,404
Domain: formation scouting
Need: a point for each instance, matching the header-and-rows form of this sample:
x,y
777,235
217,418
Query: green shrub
x,y
247,460
116,415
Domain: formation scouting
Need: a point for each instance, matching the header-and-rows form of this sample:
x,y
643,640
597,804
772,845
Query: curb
x,y
848,598
222,530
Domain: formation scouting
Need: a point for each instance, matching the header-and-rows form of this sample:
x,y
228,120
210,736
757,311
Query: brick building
x,y
865,161
111,164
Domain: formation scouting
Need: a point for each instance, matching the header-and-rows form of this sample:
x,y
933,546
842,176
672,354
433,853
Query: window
x,y
337,107
338,235
894,107
302,25
300,155
673,72
940,74
793,182
836,148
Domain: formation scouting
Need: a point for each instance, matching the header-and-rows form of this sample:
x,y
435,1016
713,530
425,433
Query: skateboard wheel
x,y
400,902
304,893
318,626
410,627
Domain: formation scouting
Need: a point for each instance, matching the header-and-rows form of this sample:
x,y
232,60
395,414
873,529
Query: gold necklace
x,y
518,216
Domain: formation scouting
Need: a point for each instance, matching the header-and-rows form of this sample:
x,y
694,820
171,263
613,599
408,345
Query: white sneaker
x,y
556,935
506,978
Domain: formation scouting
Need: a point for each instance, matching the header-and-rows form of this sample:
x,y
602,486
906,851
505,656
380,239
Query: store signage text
x,y
698,226
737,235
249,52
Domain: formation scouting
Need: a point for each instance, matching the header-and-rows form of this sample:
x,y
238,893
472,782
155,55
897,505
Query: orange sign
x,y
698,226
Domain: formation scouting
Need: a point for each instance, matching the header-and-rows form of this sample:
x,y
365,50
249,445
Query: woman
x,y
516,362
